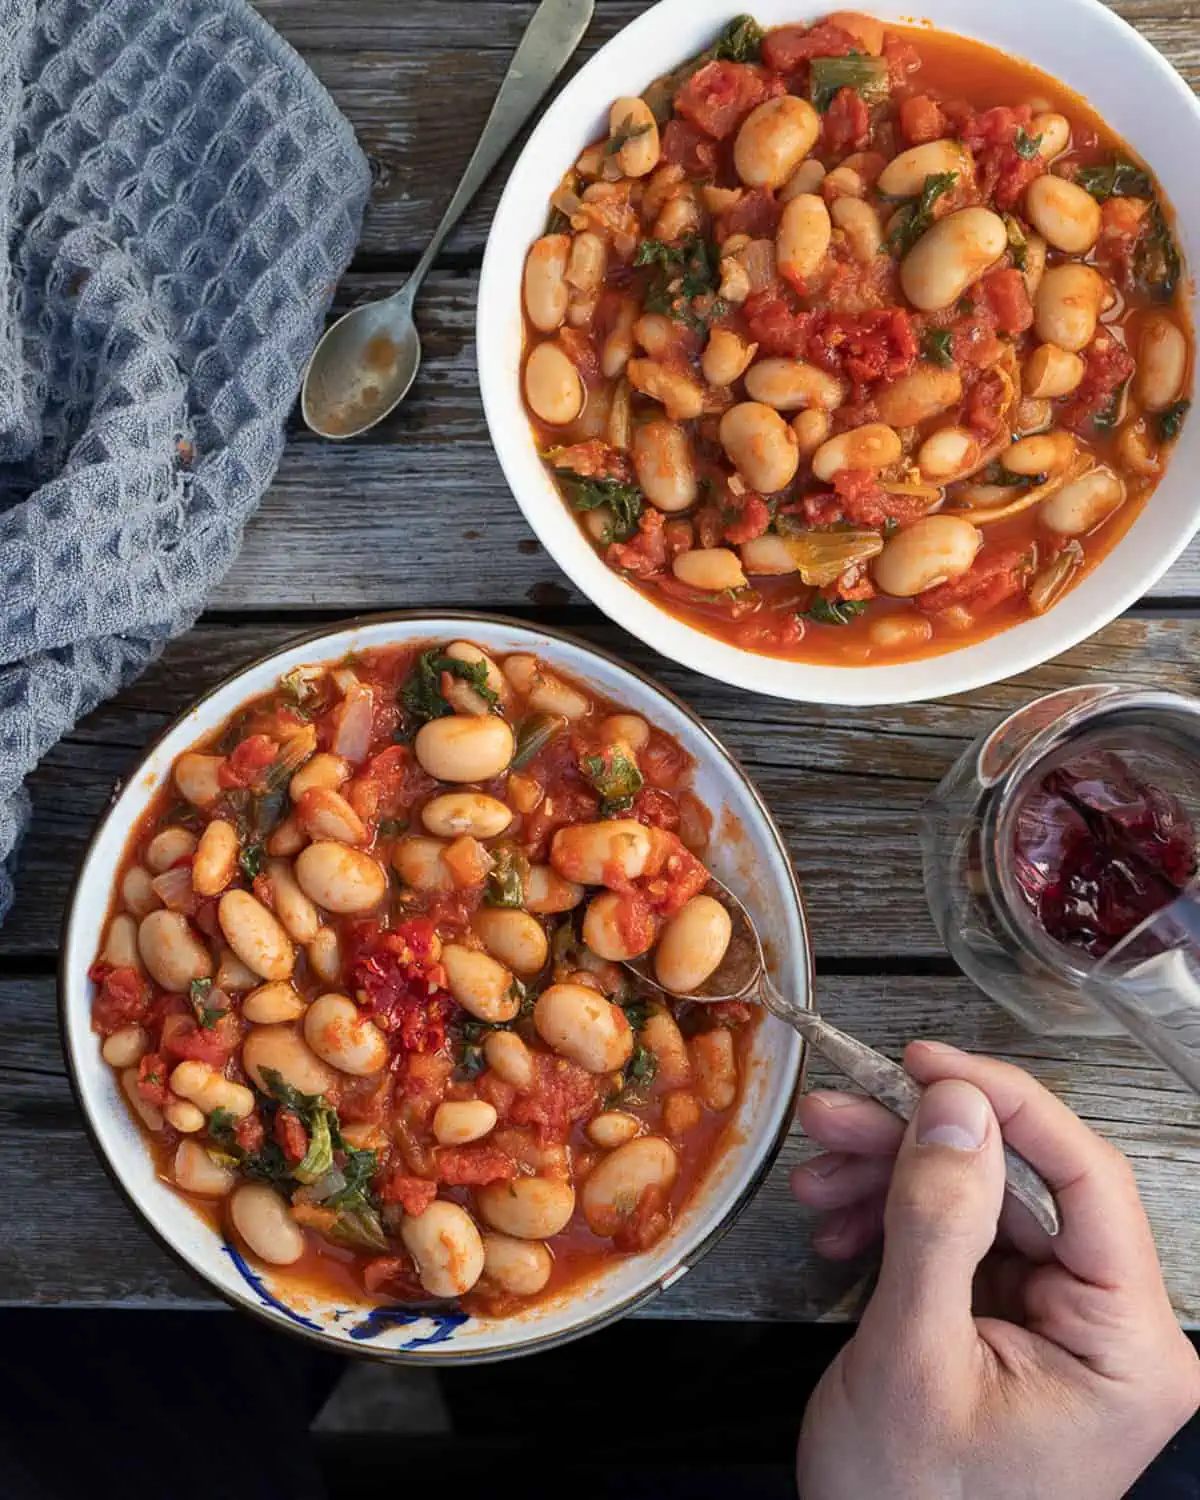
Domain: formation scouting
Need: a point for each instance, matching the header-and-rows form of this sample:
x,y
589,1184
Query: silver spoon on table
x,y
742,975
364,365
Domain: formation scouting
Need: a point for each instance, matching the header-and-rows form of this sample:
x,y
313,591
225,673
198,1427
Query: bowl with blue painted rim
x,y
747,852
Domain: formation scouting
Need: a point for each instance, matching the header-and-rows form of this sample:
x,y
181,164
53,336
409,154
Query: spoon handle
x,y
549,42
887,1082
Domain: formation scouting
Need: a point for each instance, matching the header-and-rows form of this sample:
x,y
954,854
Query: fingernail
x,y
833,1226
824,1167
833,1098
937,1046
955,1114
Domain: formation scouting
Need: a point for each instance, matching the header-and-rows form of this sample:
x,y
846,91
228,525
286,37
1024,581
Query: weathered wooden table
x,y
420,516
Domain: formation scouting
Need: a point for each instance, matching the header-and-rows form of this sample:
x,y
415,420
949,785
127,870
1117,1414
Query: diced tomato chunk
x,y
562,1093
400,983
921,120
290,1136
123,998
756,213
246,762
395,1272
719,96
493,1090
787,48
992,579
774,324
1107,366
645,553
389,785
152,1079
901,56
751,517
648,1222
865,347
675,876
1007,296
594,459
656,809
474,1166
983,404
687,146
847,123
250,1133
413,1194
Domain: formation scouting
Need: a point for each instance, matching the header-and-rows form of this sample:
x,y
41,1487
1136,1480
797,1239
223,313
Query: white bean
x,y
1052,132
287,839
457,1122
810,429
121,943
900,632
613,1128
195,1172
543,691
171,951
149,1114
681,397
510,1059
339,878
589,257
788,384
137,891
631,121
460,695
325,955
928,552
479,983
528,1208
125,1047
1044,453
1081,505
546,892
767,556
1035,263
515,938
924,392
904,176
947,452
1162,362
232,974
587,852
951,255
325,814
1050,371
692,945
281,1050
807,178
662,1036
618,346
760,445
662,459
607,934
580,1024
261,1217
553,386
461,748
476,813
520,1267
545,281
196,777
419,863
614,1188
725,357
323,770
295,911
872,446
709,568
216,858
859,222
773,140
256,935
1067,305
1063,213
183,1116
715,1068
168,848
339,1033
273,1002
802,241
626,729
206,1088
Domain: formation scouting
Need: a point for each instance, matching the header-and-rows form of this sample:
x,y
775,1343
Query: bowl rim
x,y
428,1355
1027,643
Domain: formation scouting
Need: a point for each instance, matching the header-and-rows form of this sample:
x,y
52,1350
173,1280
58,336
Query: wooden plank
x,y
76,1241
416,80
846,785
399,518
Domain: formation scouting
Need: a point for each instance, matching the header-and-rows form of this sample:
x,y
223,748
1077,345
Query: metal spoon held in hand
x,y
742,975
364,365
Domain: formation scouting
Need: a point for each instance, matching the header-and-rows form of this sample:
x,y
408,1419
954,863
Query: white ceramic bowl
x,y
1080,42
747,853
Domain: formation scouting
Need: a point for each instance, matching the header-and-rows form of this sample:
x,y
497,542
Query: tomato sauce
x,y
695,252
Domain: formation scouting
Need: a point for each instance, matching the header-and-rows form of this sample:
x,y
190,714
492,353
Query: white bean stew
x,y
852,342
361,981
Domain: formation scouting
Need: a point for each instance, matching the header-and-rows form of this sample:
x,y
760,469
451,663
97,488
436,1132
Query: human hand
x,y
992,1362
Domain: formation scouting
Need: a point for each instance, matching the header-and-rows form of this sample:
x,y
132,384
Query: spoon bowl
x,y
362,368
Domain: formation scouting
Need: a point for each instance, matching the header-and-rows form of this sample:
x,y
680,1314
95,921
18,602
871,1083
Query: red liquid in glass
x,y
1096,851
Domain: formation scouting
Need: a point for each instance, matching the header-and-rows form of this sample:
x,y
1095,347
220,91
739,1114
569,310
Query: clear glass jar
x,y
970,828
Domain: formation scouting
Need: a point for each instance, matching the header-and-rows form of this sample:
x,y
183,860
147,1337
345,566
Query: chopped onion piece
x,y
352,738
174,889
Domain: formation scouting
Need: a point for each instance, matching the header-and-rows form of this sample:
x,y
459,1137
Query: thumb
x,y
941,1217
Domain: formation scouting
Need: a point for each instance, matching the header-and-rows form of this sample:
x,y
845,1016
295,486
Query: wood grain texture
x,y
416,80
846,785
77,1241
402,517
